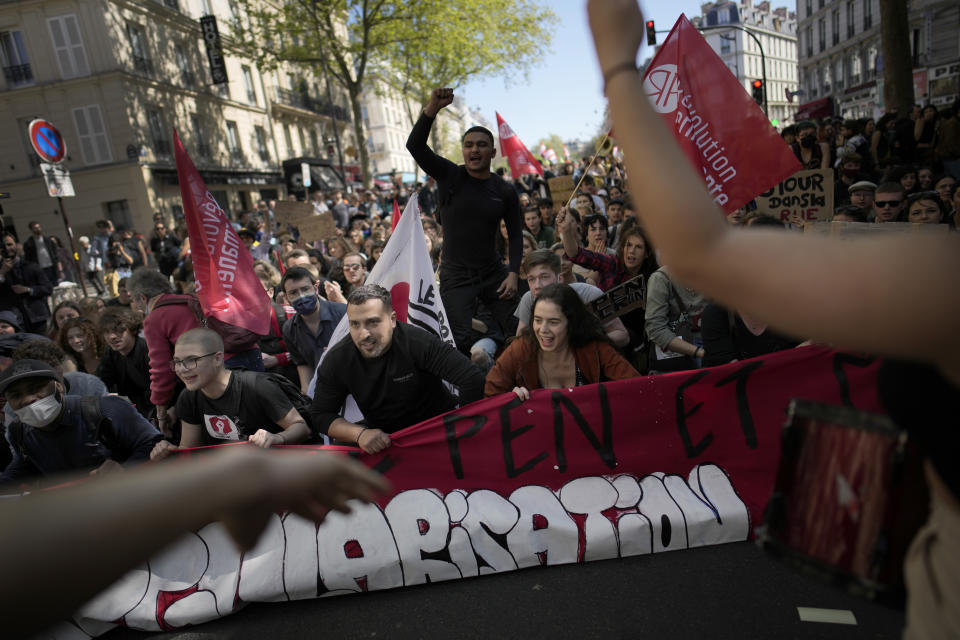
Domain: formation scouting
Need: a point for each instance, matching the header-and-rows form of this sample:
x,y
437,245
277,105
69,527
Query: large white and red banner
x,y
519,158
227,286
723,132
571,475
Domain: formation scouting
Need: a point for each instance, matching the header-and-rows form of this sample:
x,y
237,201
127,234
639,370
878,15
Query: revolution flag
x,y
718,125
519,158
227,286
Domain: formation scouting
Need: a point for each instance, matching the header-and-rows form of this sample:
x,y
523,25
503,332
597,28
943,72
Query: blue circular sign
x,y
47,141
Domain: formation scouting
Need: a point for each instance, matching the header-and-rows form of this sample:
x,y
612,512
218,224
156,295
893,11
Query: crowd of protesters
x,y
526,313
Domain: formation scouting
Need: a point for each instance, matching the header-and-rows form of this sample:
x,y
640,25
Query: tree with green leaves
x,y
420,44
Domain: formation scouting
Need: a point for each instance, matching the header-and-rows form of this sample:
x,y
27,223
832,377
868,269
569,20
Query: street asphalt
x,y
729,591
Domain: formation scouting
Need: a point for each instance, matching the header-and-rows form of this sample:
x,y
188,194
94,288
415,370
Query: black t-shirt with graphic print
x,y
230,418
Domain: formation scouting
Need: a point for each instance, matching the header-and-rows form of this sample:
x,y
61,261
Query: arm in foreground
x,y
147,509
822,288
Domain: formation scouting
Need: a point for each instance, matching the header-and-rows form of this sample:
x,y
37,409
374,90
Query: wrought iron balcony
x,y
162,148
18,75
143,65
203,151
303,100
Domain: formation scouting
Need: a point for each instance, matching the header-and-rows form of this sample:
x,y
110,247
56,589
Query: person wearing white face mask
x,y
54,432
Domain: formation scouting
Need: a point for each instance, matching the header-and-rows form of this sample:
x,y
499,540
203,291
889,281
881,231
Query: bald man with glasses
x,y
221,405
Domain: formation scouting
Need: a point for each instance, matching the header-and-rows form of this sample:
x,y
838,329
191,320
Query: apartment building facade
x,y
841,66
116,77
776,29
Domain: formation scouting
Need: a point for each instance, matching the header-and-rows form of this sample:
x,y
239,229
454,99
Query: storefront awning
x,y
821,108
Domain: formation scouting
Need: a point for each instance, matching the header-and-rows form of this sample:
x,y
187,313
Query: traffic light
x,y
758,91
651,33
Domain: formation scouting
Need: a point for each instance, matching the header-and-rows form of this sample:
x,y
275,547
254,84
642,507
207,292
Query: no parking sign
x,y
47,141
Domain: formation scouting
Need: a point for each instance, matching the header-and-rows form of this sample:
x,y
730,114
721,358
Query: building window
x,y
809,41
16,65
68,46
92,134
851,25
724,45
838,78
288,139
822,32
820,4
855,69
314,142
871,62
248,84
835,26
118,212
826,79
142,63
187,77
867,14
262,143
303,141
233,141
203,148
158,133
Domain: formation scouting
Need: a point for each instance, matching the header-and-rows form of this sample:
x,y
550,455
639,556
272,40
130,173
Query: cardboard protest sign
x,y
561,188
288,211
806,196
571,475
852,229
619,300
316,227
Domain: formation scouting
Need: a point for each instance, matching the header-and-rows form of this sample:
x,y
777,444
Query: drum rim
x,y
842,415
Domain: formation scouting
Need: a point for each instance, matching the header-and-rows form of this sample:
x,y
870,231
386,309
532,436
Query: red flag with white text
x,y
519,158
227,286
715,121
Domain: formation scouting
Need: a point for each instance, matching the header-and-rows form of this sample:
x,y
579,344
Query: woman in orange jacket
x,y
564,346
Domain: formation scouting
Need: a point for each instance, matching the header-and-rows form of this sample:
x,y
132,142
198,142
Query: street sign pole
x,y
50,146
73,246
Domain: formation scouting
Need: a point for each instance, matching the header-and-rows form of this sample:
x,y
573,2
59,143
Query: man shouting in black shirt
x,y
393,370
472,202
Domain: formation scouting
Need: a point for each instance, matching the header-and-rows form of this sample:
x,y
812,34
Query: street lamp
x,y
763,57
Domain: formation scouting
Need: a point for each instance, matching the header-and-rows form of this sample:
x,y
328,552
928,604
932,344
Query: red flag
x,y
518,156
718,125
394,217
227,286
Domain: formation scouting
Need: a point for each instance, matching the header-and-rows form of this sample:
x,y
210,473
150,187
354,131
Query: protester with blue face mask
x,y
307,333
55,433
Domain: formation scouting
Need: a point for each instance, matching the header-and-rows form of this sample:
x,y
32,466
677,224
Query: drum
x,y
849,497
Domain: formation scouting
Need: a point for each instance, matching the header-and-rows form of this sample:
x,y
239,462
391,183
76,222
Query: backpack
x,y
235,339
300,402
100,428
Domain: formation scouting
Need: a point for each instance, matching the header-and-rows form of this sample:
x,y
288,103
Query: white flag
x,y
404,269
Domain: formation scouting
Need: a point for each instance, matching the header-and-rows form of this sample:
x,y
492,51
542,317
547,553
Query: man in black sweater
x,y
395,372
472,203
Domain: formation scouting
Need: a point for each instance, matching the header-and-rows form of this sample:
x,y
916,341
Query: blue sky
x,y
563,95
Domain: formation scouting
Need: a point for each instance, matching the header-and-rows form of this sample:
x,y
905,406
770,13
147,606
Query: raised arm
x,y
434,165
881,295
147,509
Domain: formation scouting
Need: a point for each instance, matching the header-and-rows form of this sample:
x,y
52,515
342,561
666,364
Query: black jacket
x,y
33,305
